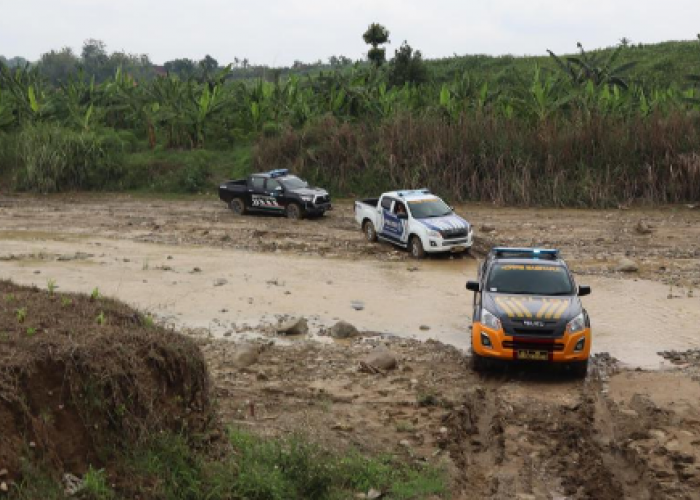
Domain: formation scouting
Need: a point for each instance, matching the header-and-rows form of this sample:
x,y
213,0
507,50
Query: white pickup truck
x,y
417,220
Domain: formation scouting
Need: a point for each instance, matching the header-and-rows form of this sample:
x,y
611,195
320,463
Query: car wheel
x,y
237,206
370,232
293,211
479,363
579,369
416,247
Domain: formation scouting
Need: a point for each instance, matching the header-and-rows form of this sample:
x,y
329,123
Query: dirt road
x,y
229,281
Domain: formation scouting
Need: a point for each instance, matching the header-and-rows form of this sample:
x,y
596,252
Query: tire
x,y
370,232
415,246
579,369
479,363
237,206
293,211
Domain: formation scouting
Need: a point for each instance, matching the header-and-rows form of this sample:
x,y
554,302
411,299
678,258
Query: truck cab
x,y
527,307
414,219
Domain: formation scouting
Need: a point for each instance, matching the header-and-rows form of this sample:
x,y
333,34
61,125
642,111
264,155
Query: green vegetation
x,y
21,314
168,467
597,128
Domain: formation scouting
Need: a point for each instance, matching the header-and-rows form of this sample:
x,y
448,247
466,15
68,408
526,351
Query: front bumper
x,y
311,208
436,245
512,348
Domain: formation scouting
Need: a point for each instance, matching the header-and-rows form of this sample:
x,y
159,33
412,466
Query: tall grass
x,y
581,160
54,158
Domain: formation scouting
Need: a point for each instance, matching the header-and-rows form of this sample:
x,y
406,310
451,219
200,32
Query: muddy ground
x,y
625,432
515,433
665,244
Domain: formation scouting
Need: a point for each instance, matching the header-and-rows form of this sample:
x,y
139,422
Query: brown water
x,y
632,320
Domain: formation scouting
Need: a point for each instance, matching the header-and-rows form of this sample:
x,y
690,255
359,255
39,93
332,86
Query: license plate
x,y
458,248
533,355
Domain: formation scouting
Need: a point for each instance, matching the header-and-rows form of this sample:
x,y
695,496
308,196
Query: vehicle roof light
x,y
409,192
535,253
280,172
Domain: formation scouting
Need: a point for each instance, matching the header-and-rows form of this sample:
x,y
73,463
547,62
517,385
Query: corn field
x,y
553,140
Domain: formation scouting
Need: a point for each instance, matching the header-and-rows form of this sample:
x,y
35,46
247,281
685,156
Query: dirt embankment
x,y
84,377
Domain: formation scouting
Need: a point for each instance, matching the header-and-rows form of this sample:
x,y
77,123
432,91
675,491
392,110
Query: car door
x,y
274,194
393,227
258,195
384,207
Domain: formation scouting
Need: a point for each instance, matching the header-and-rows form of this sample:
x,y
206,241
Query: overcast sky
x,y
277,32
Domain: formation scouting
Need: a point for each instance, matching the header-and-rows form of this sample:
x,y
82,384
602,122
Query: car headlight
x,y
576,325
490,320
307,198
434,234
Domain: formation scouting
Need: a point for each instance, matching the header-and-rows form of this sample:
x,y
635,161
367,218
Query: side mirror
x,y
584,290
402,216
473,286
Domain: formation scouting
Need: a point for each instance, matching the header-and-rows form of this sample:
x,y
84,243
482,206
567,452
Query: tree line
x,y
74,131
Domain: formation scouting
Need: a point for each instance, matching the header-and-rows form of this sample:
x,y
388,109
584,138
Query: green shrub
x,y
54,158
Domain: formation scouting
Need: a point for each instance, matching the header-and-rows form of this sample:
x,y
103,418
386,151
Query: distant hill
x,y
657,65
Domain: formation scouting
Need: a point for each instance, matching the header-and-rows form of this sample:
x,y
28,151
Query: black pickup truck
x,y
275,192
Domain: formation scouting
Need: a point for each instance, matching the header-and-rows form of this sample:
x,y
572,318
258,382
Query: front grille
x,y
454,233
452,243
322,199
543,332
532,346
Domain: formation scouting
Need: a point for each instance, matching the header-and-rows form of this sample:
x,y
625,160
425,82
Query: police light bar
x,y
280,172
526,252
409,192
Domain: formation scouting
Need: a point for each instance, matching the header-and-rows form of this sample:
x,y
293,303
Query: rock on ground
x,y
246,355
643,228
380,358
627,266
343,330
294,326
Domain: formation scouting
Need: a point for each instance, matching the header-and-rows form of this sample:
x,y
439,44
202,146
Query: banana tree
x,y
542,98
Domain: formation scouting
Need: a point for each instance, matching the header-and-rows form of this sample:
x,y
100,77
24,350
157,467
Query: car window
x,y
531,279
291,182
386,203
399,208
272,184
429,207
258,182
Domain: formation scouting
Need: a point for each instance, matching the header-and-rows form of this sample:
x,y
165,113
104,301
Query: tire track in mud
x,y
514,437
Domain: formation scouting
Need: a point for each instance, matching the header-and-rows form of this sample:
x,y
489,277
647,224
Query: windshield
x,y
292,182
530,279
432,207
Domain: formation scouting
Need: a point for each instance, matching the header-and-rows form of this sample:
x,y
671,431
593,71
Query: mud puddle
x,y
232,292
